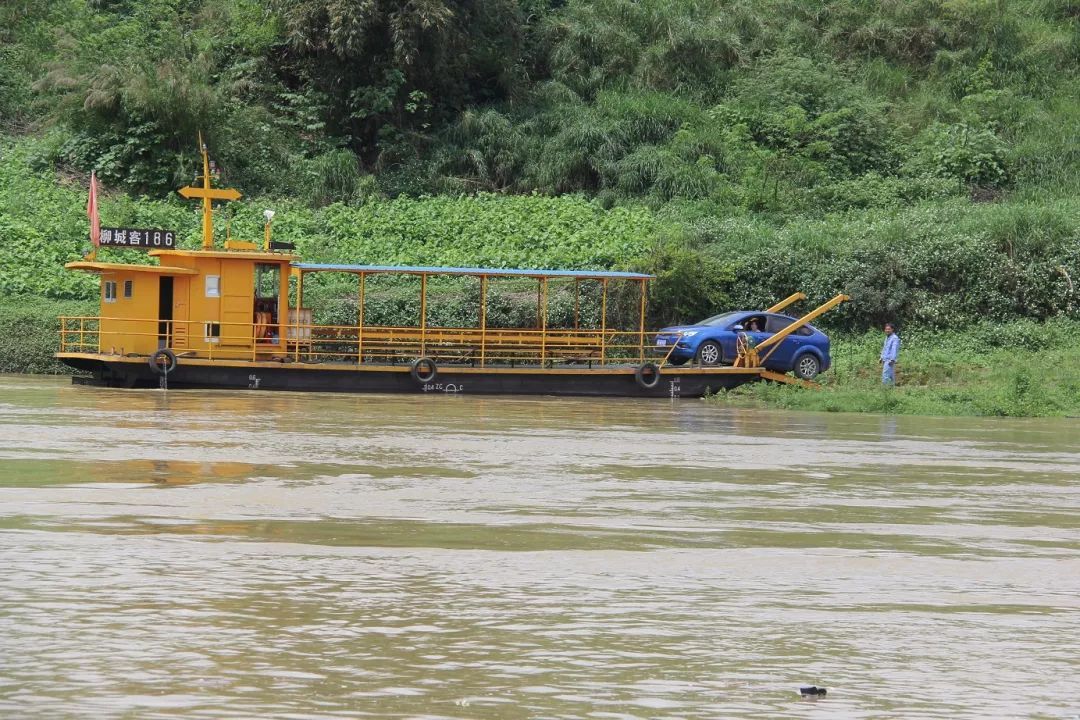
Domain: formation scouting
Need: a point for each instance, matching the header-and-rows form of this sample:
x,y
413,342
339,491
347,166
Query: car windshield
x,y
716,320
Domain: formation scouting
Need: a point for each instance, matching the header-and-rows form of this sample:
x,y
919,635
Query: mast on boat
x,y
207,193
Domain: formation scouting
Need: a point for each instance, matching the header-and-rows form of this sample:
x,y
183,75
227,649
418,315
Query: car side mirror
x,y
737,327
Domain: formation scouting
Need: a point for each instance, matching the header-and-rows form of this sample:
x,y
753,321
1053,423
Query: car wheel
x,y
677,361
709,353
807,367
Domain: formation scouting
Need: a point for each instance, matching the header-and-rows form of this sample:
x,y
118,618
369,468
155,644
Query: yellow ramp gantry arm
x,y
774,341
794,297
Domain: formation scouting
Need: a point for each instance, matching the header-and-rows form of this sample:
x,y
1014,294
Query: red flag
x,y
92,211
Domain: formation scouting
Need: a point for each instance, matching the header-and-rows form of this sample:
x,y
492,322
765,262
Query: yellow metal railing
x,y
306,342
232,340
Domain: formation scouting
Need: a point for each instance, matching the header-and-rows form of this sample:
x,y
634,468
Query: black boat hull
x,y
620,381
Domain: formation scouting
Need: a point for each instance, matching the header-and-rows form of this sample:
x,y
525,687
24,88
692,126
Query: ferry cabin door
x,y
165,311
267,302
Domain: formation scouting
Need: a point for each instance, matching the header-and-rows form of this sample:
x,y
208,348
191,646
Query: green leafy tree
x,y
689,286
136,82
387,69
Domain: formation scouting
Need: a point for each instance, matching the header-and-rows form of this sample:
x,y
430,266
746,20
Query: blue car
x,y
712,342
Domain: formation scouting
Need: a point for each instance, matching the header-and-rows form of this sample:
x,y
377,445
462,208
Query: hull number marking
x,y
443,387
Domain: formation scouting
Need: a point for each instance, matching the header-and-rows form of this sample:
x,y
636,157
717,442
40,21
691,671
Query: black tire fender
x,y
647,375
424,370
169,364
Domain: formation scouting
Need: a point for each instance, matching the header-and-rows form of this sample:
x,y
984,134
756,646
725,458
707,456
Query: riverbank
x,y
1017,369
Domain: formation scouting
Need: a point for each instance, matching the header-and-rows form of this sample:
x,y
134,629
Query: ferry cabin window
x,y
267,281
110,291
129,286
213,286
212,332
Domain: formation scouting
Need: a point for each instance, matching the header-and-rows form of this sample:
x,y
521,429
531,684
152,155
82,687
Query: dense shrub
x,y
934,266
688,285
974,156
484,230
31,332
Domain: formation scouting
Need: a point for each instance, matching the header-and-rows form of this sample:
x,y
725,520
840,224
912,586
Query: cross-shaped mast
x,y
208,195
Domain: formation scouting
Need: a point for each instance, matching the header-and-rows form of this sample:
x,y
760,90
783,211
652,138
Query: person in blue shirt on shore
x,y
889,352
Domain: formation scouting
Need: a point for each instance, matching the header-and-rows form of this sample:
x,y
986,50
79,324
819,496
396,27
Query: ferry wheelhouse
x,y
236,318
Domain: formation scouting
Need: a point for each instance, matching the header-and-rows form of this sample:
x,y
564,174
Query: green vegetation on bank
x,y
1017,369
921,156
932,265
30,332
43,225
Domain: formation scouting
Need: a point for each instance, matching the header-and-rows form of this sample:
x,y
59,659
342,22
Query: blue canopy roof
x,y
419,270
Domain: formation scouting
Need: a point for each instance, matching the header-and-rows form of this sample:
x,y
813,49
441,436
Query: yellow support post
x,y
603,321
641,324
423,314
299,306
207,203
360,320
483,318
793,298
543,320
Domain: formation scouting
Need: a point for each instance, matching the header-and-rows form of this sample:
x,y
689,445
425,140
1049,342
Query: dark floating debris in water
x,y
812,691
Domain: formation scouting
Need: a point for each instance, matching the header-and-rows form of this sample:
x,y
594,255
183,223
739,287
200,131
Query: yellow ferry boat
x,y
235,318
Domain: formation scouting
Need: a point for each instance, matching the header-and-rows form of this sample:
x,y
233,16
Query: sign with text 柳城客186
x,y
137,238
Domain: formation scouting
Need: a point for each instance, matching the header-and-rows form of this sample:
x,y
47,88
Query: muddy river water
x,y
223,555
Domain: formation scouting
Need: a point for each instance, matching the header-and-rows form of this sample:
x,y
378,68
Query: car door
x,y
729,339
726,338
789,347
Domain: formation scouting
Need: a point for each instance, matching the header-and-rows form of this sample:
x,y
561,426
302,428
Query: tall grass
x,y
335,177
